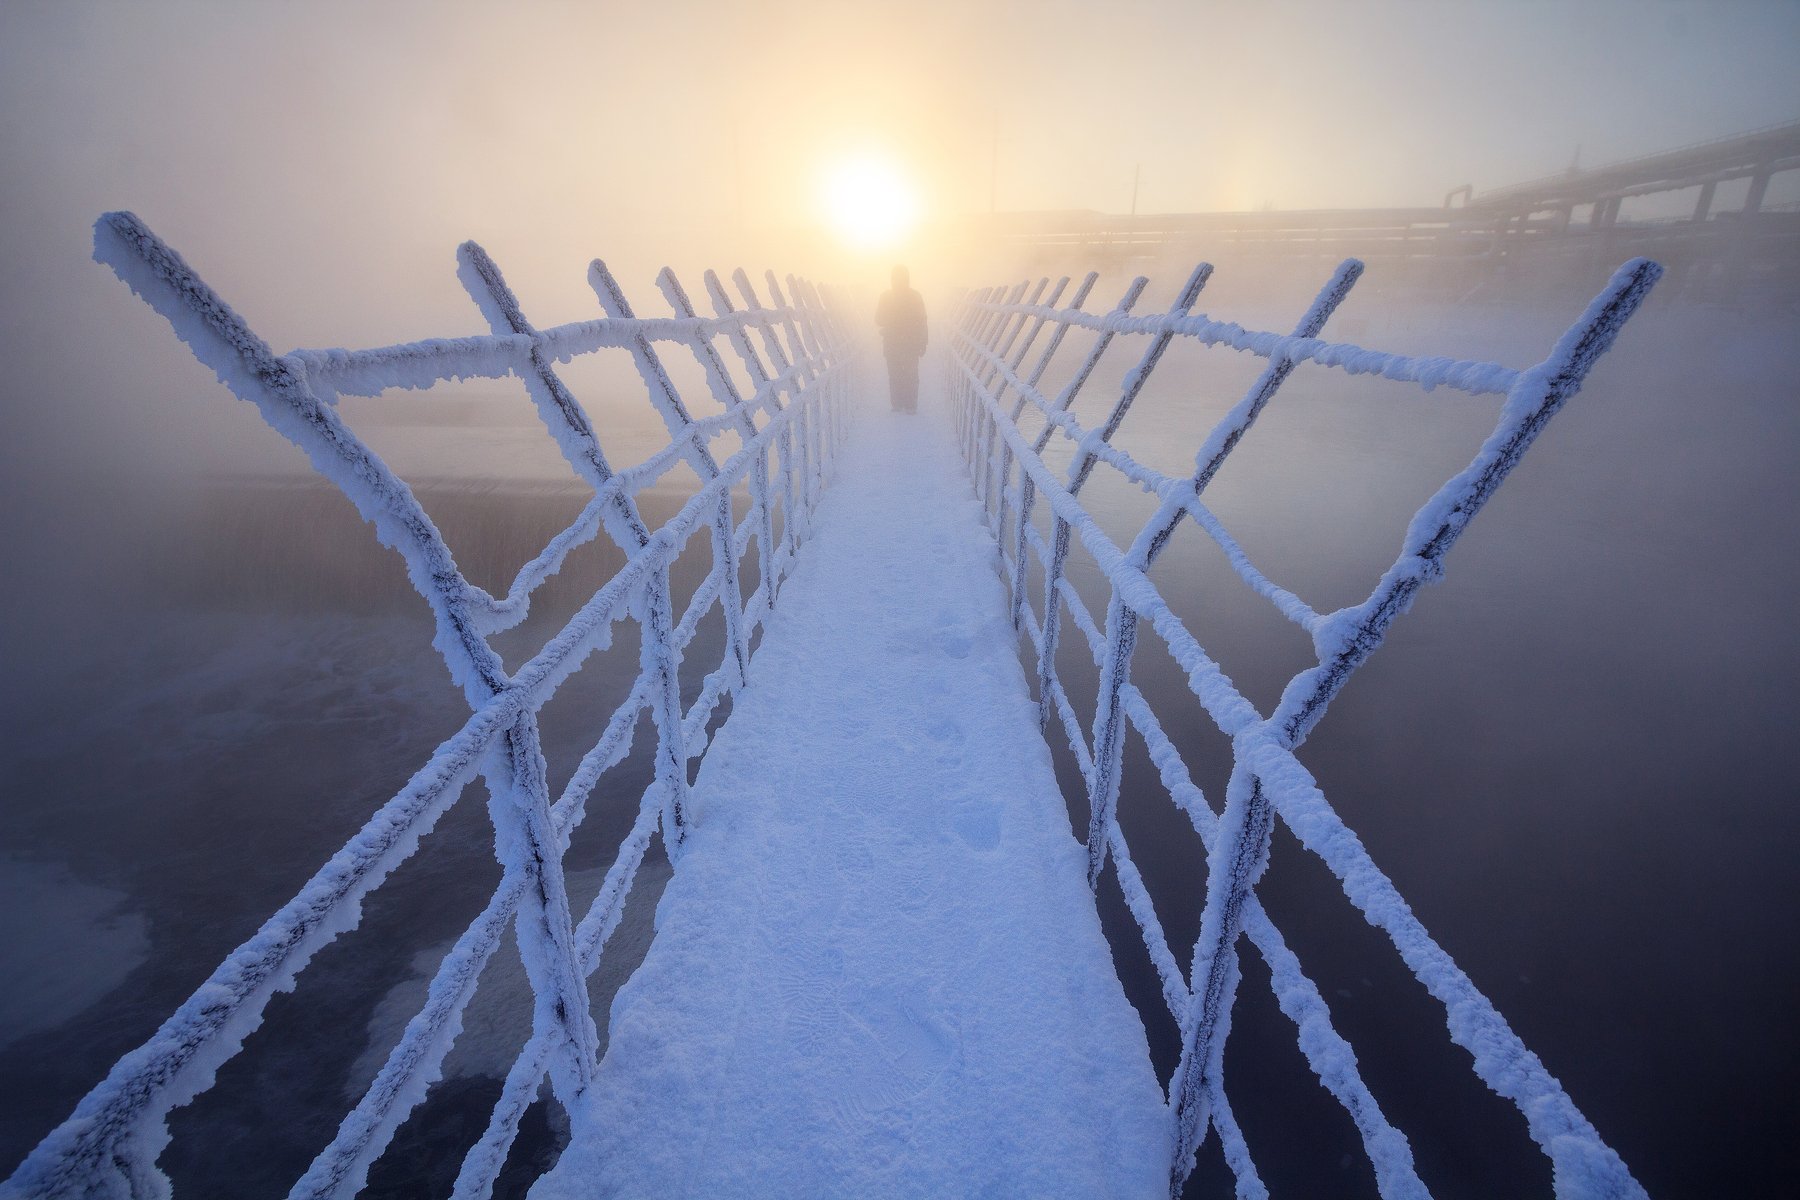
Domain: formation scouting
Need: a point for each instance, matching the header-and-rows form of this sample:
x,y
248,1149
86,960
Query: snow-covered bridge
x,y
878,968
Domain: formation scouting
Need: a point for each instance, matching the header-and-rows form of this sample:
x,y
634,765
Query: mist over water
x,y
1574,756
1571,756
259,680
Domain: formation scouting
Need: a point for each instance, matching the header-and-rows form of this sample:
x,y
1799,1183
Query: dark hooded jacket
x,y
900,315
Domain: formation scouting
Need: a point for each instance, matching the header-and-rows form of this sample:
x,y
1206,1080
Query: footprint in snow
x,y
955,643
946,731
854,859
809,986
911,885
978,825
893,1052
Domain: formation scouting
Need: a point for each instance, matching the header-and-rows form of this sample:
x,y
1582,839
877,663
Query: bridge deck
x,y
877,971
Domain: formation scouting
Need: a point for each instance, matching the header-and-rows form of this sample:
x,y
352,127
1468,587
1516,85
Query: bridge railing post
x,y
660,658
524,832
784,445
759,469
110,1145
1027,487
1267,782
983,328
681,428
1003,448
1109,732
810,420
1082,467
820,336
1006,333
981,333
1027,490
818,428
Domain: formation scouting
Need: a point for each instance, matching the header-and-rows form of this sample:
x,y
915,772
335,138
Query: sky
x,y
319,162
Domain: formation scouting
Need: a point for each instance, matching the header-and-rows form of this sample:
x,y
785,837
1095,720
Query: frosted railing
x,y
796,411
994,334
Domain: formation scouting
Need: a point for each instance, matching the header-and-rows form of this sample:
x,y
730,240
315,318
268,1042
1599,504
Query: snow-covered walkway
x,y
878,970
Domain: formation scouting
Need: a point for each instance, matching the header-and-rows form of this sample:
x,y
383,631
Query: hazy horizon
x,y
1574,758
319,163
360,143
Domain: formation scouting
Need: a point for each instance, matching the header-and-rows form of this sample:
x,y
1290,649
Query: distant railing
x,y
1784,134
794,410
994,334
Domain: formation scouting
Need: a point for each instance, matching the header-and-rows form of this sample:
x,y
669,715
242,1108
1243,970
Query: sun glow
x,y
869,201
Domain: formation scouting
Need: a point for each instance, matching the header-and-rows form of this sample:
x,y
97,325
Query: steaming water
x,y
44,910
1573,757
193,740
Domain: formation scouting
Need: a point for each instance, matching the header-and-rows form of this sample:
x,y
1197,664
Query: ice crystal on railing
x,y
1267,781
110,1145
796,356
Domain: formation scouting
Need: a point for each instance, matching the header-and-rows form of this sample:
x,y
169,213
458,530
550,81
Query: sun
x,y
869,201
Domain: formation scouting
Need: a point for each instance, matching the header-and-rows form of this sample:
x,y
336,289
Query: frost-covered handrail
x,y
1267,781
436,360
110,1145
1463,375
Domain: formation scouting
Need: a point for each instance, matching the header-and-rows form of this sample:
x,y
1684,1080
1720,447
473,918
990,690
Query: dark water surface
x,y
1574,758
197,744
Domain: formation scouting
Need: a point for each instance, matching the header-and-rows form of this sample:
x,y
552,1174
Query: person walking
x,y
900,315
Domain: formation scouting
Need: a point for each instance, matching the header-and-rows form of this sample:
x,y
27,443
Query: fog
x,y
319,162
1570,755
214,672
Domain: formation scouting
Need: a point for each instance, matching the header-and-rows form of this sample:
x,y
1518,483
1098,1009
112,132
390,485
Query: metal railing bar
x,y
1156,942
1501,1059
1229,709
1084,620
1286,603
482,1163
431,361
1539,394
983,482
1137,378
1473,377
1330,1056
1266,780
117,1130
1226,435
1037,373
400,1084
680,424
759,470
1088,443
1241,854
